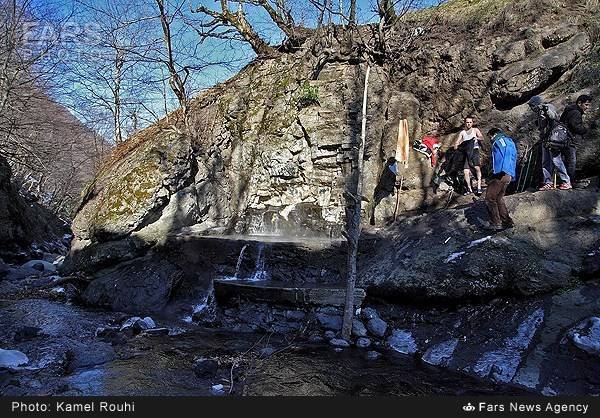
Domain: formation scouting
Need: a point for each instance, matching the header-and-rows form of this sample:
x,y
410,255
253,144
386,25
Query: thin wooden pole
x,y
353,222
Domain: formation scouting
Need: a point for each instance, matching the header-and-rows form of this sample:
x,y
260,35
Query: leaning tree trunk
x,y
353,221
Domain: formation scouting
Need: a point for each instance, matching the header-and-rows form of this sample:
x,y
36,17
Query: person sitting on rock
x,y
385,186
504,165
470,138
551,159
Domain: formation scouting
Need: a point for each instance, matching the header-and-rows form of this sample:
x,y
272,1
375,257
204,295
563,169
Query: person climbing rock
x,y
546,117
504,164
469,139
386,185
572,117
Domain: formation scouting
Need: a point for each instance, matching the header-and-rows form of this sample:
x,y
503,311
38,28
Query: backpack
x,y
558,138
547,114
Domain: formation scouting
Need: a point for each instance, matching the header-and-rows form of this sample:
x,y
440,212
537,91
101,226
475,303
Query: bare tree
x,y
352,14
176,82
227,23
108,63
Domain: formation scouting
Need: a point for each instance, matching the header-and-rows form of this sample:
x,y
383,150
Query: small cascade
x,y
208,302
239,262
260,273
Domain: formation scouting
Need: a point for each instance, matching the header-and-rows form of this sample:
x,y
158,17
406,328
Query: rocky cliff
x,y
24,223
271,150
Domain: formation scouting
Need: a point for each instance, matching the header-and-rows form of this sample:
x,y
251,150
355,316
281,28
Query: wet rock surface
x,y
520,343
586,335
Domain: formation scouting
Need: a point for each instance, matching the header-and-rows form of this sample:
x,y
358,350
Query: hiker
x,y
385,186
572,117
428,146
504,164
470,138
547,117
449,170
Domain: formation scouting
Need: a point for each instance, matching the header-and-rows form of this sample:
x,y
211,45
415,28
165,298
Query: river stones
x,y
402,341
204,367
11,359
363,343
358,328
339,342
377,327
586,335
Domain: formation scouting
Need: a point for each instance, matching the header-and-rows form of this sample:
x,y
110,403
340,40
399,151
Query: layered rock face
x,y
271,150
23,223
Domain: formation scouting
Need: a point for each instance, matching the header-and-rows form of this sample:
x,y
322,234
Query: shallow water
x,y
163,365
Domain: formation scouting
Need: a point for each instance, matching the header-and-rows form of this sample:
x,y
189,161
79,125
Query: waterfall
x,y
207,302
260,272
239,262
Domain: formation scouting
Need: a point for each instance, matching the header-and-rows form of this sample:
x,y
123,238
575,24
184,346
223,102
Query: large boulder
x,y
272,150
534,73
470,262
139,286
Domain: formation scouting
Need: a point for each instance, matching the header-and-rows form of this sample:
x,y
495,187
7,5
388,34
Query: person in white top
x,y
471,133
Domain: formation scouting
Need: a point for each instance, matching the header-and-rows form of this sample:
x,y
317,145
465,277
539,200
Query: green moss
x,y
125,197
307,94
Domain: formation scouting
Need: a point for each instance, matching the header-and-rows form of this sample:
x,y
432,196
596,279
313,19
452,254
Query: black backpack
x,y
558,138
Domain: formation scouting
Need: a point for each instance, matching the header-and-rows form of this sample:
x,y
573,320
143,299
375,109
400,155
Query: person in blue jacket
x,y
504,164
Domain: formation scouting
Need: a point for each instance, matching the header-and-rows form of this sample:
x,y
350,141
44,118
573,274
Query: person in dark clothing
x,y
385,186
572,117
546,116
457,161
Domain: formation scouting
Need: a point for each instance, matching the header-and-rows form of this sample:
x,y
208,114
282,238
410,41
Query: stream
x,y
67,357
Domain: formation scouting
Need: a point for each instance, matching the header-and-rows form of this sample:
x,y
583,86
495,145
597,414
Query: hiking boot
x,y
468,193
493,228
479,192
547,186
508,224
565,186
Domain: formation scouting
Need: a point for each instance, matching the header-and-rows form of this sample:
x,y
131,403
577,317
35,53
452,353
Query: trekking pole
x,y
528,167
522,169
398,197
449,198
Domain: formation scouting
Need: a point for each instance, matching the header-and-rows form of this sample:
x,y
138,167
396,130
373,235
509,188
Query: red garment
x,y
431,142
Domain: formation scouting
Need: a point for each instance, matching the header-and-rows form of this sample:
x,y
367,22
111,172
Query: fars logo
x,y
468,407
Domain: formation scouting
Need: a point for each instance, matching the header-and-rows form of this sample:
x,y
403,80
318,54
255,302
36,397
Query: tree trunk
x,y
353,221
176,83
352,17
250,35
119,61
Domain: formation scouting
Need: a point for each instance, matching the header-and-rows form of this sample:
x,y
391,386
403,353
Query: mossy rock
x,y
132,192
